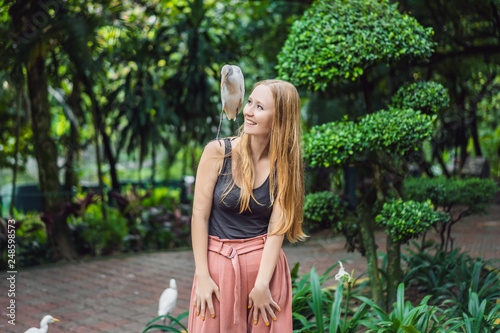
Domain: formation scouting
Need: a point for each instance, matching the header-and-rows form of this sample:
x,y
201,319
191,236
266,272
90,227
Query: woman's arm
x,y
206,178
260,296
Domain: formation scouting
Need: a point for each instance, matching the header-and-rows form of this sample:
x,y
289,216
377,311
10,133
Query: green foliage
x,y
315,309
104,235
336,40
404,220
408,318
168,328
32,246
32,229
471,195
474,193
324,209
155,217
162,196
302,305
428,97
481,317
453,276
340,143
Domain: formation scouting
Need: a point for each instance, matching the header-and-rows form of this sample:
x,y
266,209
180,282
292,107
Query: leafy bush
x,y
428,97
324,210
474,193
162,196
404,220
156,218
104,235
32,246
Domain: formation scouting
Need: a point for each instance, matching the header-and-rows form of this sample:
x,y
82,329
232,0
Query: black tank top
x,y
226,222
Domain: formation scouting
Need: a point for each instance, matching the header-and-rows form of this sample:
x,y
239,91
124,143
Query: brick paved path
x,y
121,294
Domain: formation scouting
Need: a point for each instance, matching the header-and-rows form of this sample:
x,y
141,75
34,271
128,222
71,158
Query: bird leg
x,y
220,123
237,122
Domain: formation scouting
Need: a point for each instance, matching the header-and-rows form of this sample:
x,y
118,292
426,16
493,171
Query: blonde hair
x,y
286,177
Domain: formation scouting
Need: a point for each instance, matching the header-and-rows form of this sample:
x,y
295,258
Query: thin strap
x,y
226,165
227,143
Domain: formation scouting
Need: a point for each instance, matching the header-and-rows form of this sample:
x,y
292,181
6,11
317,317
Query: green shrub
x,y
324,210
103,235
474,193
162,196
32,246
404,220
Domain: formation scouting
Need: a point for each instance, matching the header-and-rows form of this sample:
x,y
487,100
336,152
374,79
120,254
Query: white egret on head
x,y
168,299
232,93
44,325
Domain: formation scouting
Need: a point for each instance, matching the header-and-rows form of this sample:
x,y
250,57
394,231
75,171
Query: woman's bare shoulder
x,y
214,148
218,147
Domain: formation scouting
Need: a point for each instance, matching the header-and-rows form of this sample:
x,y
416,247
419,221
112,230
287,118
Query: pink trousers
x,y
233,265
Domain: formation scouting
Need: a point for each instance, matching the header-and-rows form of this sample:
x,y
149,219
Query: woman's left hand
x,y
261,299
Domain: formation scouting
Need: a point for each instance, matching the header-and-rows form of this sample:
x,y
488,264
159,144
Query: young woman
x,y
249,193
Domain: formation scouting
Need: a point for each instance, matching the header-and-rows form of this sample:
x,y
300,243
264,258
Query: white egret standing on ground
x,y
44,325
232,93
168,299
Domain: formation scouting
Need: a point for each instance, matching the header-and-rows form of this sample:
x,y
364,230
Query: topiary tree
x,y
402,221
344,39
380,142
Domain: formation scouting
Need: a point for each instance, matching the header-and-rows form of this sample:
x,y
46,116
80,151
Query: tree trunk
x,y
368,238
73,152
106,141
70,176
153,165
474,133
394,273
46,156
22,104
101,127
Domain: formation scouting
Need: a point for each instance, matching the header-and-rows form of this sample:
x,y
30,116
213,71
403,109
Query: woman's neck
x,y
259,146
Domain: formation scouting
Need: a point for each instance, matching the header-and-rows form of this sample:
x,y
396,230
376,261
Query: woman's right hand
x,y
205,287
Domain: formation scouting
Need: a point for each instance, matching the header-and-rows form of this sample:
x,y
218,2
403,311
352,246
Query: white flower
x,y
342,272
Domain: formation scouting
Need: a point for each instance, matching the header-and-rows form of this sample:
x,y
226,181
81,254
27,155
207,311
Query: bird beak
x,y
223,80
54,319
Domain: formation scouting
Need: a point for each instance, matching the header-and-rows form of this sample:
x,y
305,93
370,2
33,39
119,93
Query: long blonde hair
x,y
286,177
